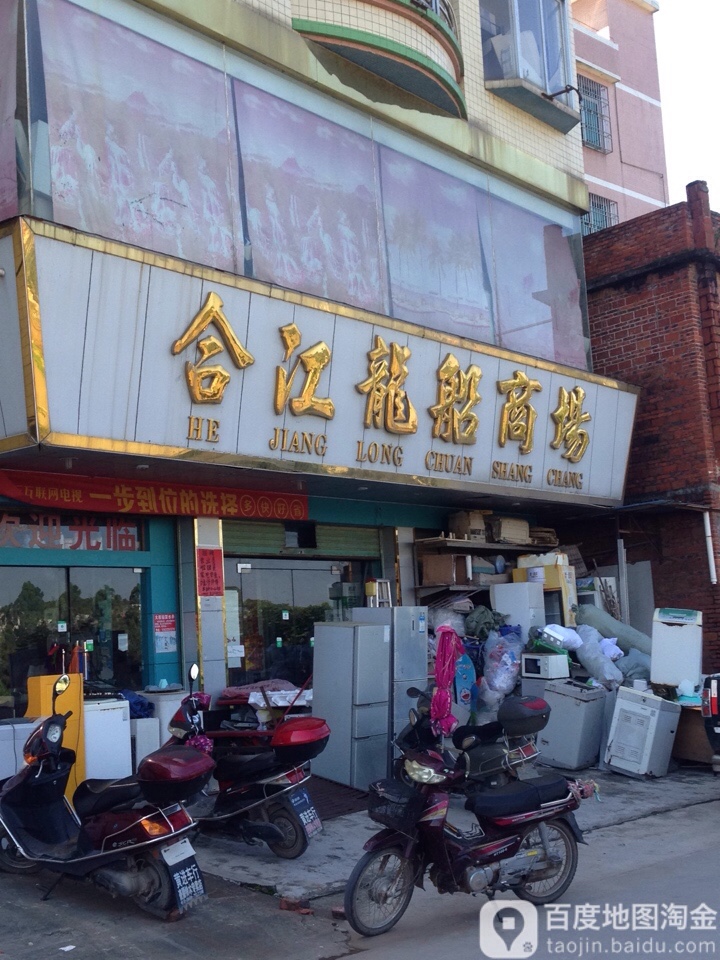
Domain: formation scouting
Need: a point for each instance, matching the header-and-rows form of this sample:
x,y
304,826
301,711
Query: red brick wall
x,y
655,322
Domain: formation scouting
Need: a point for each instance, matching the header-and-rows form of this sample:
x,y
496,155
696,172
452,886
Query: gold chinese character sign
x,y
567,417
313,360
388,405
457,394
207,383
517,421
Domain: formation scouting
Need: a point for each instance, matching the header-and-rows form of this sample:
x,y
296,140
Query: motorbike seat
x,y
518,796
476,733
239,766
97,796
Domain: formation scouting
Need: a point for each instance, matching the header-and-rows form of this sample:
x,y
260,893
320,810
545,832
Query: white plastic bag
x,y
502,661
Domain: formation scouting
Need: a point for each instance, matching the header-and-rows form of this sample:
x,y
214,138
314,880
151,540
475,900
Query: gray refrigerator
x,y
361,673
408,656
351,681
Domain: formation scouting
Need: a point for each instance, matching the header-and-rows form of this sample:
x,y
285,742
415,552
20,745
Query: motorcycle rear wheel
x,y
159,899
563,845
295,841
11,860
378,892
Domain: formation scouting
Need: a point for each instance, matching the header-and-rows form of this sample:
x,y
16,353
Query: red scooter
x,y
260,793
525,838
128,836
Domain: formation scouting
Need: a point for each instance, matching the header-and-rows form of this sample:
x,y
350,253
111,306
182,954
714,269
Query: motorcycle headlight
x,y
180,733
422,774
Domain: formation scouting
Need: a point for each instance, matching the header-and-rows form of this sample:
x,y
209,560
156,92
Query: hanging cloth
x,y
449,649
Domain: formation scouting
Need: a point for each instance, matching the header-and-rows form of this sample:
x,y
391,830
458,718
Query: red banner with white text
x,y
149,498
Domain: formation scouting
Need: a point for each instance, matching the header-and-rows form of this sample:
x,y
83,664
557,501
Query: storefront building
x,y
262,322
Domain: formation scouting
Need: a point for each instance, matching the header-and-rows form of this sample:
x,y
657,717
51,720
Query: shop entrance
x,y
46,613
271,607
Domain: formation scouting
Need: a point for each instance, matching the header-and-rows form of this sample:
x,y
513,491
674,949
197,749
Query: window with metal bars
x,y
595,115
602,213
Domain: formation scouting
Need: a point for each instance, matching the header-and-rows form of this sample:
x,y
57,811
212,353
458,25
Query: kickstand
x,y
55,883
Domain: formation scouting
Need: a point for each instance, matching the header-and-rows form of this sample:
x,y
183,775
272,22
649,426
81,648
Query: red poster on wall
x,y
210,579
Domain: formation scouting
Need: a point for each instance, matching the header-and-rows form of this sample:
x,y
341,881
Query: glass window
x,y
526,40
33,627
105,615
602,213
595,115
51,615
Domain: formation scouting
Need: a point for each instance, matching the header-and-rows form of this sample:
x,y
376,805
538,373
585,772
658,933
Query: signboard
x,y
210,579
165,630
267,378
104,495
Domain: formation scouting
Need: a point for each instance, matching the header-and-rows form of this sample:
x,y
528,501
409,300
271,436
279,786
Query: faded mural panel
x,y
311,201
438,259
139,143
156,149
8,66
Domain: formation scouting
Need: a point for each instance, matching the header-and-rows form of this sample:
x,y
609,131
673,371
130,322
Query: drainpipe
x,y
710,547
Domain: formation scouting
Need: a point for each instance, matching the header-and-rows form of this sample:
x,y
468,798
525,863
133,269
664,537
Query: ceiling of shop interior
x,y
123,467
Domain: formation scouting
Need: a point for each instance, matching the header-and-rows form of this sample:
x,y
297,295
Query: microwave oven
x,y
548,666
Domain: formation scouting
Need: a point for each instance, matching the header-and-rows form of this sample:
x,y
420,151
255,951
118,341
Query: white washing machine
x,y
106,727
13,734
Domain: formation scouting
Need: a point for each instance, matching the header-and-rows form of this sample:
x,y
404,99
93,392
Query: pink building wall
x,y
615,46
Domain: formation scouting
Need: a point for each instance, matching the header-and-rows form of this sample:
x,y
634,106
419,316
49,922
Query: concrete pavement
x,y
326,866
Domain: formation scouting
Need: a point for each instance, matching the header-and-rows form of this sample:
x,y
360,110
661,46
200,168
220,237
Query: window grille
x,y
595,115
602,213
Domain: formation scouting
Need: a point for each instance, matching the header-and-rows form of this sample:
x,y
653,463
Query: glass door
x,y
105,616
271,607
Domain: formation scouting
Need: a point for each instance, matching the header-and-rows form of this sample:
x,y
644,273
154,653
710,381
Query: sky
x,y
686,35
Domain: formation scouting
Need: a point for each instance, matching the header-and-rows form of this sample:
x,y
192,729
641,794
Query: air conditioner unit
x,y
641,734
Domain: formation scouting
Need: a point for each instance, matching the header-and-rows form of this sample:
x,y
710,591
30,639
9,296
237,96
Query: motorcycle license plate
x,y
184,872
303,807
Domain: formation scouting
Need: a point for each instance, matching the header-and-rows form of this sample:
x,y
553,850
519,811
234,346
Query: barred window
x,y
602,213
595,115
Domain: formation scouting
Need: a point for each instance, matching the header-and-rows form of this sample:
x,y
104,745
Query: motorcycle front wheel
x,y
558,875
378,892
11,860
295,841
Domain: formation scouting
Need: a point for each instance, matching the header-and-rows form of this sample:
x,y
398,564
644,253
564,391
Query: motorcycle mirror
x,y
193,674
60,686
414,692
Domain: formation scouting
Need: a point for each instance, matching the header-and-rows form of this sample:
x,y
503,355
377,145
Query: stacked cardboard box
x,y
510,530
446,569
469,524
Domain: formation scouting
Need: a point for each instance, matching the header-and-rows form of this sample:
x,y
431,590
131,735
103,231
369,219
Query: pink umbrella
x,y
449,649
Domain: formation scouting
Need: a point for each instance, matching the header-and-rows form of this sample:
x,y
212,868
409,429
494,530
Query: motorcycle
x,y
710,711
486,754
259,796
127,836
525,838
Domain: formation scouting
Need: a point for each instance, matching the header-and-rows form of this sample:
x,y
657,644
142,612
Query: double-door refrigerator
x,y
408,655
361,672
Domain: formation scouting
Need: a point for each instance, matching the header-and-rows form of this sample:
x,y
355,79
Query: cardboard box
x,y
691,741
446,569
488,579
470,524
510,530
